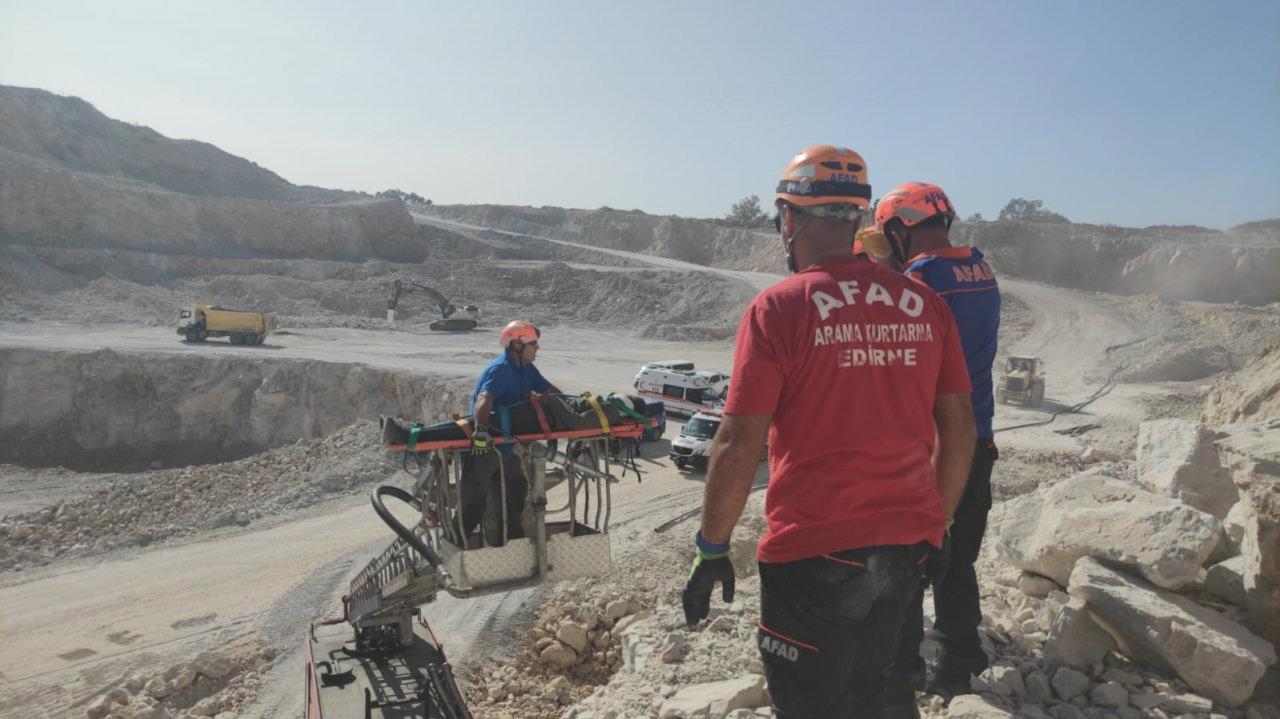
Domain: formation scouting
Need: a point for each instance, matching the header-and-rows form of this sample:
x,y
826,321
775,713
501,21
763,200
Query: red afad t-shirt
x,y
848,358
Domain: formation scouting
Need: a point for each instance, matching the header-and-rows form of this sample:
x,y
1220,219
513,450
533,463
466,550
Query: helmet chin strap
x,y
902,248
789,243
517,355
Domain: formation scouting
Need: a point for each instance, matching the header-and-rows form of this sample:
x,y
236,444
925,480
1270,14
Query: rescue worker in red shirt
x,y
915,219
855,374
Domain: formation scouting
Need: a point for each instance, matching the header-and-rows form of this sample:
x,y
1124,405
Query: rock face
x,y
1251,395
1218,658
1092,515
1177,262
1251,453
104,408
697,241
48,206
1176,458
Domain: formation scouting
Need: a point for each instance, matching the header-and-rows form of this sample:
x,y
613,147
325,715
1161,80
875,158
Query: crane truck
x,y
452,318
380,658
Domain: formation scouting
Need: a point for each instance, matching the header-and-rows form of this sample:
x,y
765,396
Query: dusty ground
x,y
125,596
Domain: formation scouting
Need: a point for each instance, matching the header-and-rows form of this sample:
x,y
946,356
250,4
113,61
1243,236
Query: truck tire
x,y
1037,394
259,339
237,338
195,334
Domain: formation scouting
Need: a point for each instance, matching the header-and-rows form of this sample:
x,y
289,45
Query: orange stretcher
x,y
622,430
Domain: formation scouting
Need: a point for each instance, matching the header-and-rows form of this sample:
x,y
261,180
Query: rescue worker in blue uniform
x,y
915,219
508,379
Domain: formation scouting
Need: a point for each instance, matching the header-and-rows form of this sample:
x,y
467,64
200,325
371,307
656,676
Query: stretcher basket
x,y
569,541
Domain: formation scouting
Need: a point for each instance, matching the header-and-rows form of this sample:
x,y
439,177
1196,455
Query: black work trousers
x,y
955,598
828,629
482,486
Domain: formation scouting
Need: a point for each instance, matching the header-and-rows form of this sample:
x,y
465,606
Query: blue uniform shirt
x,y
508,384
969,286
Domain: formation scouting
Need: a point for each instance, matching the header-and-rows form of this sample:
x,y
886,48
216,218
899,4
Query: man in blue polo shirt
x,y
508,379
916,220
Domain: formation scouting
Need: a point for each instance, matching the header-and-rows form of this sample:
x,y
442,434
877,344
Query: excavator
x,y
453,318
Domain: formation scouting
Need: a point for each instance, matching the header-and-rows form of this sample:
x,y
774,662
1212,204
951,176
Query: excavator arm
x,y
466,320
400,287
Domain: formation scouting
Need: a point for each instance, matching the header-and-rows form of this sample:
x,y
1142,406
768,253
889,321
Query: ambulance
x,y
682,388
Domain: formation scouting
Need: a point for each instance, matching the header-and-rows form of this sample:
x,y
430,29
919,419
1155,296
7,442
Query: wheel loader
x,y
1022,381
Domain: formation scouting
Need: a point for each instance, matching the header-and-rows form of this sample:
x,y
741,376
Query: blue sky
x,y
1134,113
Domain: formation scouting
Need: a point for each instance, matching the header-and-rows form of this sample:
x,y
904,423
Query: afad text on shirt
x,y
846,294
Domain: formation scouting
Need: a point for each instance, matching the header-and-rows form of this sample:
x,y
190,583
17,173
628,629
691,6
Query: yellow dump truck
x,y
201,322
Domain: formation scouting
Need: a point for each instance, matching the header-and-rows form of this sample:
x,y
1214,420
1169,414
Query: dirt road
x,y
71,629
756,281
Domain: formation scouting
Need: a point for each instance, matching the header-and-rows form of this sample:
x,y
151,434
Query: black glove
x,y
935,567
480,442
709,567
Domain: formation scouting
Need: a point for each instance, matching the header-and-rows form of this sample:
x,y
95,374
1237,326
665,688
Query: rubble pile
x,y
160,505
214,684
1128,590
639,659
1184,341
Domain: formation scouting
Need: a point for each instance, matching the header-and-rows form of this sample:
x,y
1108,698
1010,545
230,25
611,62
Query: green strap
x,y
625,407
414,431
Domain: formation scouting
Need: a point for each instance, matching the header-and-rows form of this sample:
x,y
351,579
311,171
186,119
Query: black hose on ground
x,y
1101,392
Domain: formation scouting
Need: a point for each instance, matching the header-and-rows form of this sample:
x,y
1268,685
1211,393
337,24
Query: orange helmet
x,y
871,241
518,330
831,178
913,203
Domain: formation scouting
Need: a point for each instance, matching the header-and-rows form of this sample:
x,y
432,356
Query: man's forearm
x,y
484,405
728,484
957,436
954,458
735,454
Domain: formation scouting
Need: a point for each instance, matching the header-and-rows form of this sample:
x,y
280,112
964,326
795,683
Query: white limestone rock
x,y
558,655
1226,580
1034,585
1109,694
1076,640
1069,683
1251,453
1215,656
574,635
1176,458
617,609
1091,515
716,698
973,706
